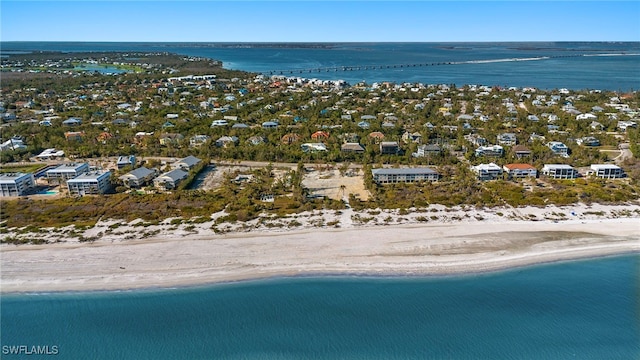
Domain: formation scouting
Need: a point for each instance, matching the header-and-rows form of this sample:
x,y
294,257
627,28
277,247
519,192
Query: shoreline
x,y
406,251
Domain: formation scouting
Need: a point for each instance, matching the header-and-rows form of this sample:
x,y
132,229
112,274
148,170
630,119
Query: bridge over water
x,y
414,65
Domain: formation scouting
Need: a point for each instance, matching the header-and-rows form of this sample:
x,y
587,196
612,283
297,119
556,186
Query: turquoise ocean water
x,y
545,65
586,309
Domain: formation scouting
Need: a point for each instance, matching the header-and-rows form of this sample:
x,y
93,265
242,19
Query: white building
x,y
313,147
559,171
518,171
16,184
558,148
489,171
49,154
493,150
407,175
94,182
607,171
66,172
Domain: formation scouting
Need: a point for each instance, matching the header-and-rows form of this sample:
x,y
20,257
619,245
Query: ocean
x,y
544,65
586,309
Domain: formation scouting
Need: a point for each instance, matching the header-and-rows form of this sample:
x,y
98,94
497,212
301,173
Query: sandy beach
x,y
410,249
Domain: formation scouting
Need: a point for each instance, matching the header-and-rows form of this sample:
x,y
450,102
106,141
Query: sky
x,y
319,21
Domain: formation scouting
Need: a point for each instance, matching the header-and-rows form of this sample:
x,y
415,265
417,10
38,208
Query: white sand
x,y
178,258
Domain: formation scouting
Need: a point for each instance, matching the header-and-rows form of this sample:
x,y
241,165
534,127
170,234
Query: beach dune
x,y
403,250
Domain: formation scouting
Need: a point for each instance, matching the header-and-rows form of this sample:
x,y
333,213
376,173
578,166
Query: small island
x,y
250,175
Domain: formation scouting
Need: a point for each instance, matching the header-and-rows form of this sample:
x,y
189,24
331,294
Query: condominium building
x,y
16,184
94,182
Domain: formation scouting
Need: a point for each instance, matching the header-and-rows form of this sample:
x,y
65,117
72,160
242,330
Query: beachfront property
x,y
65,172
16,184
90,183
406,175
519,171
170,180
489,171
559,171
124,161
187,163
493,150
138,177
606,171
558,148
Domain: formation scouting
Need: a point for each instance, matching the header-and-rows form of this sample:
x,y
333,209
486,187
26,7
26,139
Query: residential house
x,y
170,180
596,126
256,140
389,147
186,164
404,175
90,183
124,161
507,139
558,148
517,171
50,154
320,135
72,122
352,148
65,172
13,144
588,141
239,126
138,177
521,151
16,184
489,171
290,138
171,139
198,140
74,135
225,141
559,171
476,140
607,171
492,150
376,137
269,125
586,116
428,150
313,147
216,123
415,137
624,125
364,124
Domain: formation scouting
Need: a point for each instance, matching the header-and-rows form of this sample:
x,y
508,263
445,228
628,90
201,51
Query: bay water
x,y
545,65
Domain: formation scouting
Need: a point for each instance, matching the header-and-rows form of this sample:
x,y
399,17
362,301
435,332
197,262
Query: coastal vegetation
x,y
167,102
